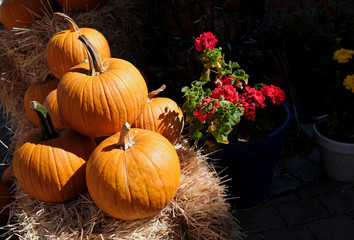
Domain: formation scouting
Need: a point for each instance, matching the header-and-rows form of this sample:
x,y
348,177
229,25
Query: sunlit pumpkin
x,y
162,115
64,50
22,13
97,97
38,91
133,174
51,104
49,164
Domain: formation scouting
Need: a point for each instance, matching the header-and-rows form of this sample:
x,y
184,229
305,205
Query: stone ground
x,y
304,204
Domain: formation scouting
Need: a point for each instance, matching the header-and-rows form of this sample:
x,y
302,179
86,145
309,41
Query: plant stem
x,y
157,91
96,64
48,130
73,26
125,142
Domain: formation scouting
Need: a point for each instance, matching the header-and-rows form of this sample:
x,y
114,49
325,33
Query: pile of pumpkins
x,y
98,129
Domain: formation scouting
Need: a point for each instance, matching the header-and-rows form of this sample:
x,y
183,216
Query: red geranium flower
x,y
207,40
228,91
274,94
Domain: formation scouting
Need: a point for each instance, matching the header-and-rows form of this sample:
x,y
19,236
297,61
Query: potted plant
x,y
243,126
334,132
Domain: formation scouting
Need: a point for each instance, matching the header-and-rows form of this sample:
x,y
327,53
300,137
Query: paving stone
x,y
284,185
255,236
319,187
338,202
259,219
335,228
302,211
314,156
298,232
282,199
301,168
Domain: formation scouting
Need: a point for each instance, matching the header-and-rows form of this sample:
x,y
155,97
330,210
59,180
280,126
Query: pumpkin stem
x,y
157,91
72,24
48,130
125,142
96,64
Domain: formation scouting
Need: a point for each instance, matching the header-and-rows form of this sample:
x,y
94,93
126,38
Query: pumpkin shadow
x,y
168,120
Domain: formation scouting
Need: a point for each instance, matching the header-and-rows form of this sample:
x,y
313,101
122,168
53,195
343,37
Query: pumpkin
x,y
79,5
49,164
133,174
38,91
97,97
51,104
5,199
162,115
64,50
7,176
22,13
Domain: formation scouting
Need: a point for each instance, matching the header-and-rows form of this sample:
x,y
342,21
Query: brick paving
x,y
315,208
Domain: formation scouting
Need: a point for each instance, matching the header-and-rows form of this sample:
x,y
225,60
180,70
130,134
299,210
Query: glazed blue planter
x,y
251,165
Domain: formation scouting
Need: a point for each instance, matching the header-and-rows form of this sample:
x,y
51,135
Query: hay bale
x,y
198,211
23,60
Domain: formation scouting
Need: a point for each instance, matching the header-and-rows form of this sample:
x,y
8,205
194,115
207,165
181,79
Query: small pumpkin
x,y
162,115
38,91
8,175
51,104
22,13
97,97
133,174
49,164
5,199
64,50
79,5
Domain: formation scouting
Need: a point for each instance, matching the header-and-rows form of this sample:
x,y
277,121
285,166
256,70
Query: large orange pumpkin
x,y
79,5
38,91
22,13
97,97
51,104
133,174
49,164
162,115
64,50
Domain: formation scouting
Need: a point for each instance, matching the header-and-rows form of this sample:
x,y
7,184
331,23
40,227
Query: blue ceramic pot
x,y
251,165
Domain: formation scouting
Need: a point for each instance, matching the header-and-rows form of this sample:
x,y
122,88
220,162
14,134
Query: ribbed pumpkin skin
x,y
79,5
15,13
52,170
99,105
38,91
51,104
164,116
136,183
64,50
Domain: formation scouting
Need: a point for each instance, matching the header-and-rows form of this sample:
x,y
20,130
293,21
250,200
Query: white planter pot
x,y
337,158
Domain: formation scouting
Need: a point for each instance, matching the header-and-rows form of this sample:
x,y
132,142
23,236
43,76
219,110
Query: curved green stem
x,y
48,130
96,64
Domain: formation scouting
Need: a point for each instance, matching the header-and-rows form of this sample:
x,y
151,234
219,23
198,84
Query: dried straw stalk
x,y
198,211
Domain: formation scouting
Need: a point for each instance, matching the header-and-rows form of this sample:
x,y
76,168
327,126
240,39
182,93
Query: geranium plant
x,y
221,106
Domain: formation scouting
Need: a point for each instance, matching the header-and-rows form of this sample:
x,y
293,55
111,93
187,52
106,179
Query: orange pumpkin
x,y
64,50
133,174
49,164
162,115
5,199
38,91
51,104
22,13
79,5
97,97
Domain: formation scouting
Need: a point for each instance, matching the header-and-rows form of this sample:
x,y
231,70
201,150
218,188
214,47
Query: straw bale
x,y
198,211
22,51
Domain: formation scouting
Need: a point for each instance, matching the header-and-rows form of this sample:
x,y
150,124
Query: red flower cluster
x,y
207,40
201,116
274,94
251,99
